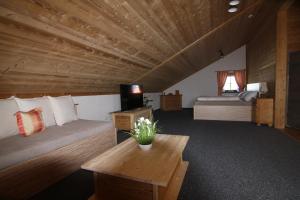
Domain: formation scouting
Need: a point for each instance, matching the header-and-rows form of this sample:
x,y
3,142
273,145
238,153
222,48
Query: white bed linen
x,y
218,98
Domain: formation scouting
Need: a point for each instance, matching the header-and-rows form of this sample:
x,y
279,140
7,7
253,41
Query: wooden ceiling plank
x,y
59,51
178,11
106,24
153,20
201,38
67,73
100,65
87,41
167,46
215,41
94,45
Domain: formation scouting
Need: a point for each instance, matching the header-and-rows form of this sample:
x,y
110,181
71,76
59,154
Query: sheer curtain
x,y
240,78
221,78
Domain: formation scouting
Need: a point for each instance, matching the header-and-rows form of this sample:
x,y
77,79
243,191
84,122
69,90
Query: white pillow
x,y
251,95
8,121
63,108
242,95
26,105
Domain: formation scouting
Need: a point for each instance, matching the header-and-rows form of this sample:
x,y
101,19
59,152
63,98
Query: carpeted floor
x,y
228,161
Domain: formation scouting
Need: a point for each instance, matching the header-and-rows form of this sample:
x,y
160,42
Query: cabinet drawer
x,y
122,122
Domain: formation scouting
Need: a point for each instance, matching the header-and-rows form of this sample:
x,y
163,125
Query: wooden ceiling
x,y
91,46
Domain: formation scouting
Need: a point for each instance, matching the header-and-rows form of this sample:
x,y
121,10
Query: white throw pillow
x,y
26,105
8,121
251,95
242,95
63,108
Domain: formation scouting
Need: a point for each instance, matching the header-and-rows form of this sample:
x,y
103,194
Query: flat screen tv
x,y
131,96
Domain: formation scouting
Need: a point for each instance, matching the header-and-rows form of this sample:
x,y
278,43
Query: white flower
x,y
141,119
136,130
148,121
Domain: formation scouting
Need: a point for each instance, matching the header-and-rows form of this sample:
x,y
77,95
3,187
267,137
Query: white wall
x,y
99,107
204,82
156,99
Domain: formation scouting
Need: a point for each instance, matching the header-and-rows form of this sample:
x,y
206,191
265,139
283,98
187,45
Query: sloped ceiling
x,y
91,46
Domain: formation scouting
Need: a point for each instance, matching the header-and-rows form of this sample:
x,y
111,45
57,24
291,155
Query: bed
x,y
223,110
226,108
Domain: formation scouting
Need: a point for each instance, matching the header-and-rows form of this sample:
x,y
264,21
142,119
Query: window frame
x,y
230,91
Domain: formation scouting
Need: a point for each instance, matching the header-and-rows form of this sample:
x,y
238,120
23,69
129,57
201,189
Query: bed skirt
x,y
223,110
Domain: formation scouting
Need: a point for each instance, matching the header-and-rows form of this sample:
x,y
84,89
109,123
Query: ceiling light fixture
x,y
232,9
234,2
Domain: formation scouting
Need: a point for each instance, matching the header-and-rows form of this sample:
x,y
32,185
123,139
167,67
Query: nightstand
x,y
264,111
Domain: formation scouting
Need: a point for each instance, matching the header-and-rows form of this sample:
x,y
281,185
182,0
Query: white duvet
x,y
218,98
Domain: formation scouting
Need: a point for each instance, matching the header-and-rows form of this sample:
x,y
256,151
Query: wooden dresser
x,y
171,102
264,111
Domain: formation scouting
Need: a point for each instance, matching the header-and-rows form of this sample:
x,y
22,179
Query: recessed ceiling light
x,y
232,9
234,2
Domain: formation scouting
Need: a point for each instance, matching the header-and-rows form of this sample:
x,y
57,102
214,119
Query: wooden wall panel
x,y
287,41
261,55
60,46
267,54
294,27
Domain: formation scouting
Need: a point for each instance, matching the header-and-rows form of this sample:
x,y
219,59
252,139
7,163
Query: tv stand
x,y
124,120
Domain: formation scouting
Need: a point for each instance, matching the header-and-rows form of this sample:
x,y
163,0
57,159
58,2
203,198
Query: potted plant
x,y
144,132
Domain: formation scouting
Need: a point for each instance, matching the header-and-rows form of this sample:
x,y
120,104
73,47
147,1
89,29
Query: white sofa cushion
x,y
8,121
26,105
63,108
16,149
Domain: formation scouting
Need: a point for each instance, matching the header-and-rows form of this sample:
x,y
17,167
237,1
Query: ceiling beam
x,y
201,38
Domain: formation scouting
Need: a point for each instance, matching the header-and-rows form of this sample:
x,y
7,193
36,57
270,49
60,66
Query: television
x,y
131,96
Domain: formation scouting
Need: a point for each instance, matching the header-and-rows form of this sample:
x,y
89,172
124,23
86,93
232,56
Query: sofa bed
x,y
31,164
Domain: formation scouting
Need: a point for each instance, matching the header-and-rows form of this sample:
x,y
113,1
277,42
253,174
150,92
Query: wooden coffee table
x,y
127,172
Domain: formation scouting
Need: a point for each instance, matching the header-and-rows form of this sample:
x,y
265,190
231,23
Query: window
x,y
230,84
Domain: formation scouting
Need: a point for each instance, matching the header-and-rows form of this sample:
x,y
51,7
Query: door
x,y
293,103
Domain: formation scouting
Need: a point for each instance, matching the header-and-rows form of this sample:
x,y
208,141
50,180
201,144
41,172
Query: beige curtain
x,y
240,78
221,78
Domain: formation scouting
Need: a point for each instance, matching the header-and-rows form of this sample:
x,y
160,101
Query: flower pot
x,y
145,147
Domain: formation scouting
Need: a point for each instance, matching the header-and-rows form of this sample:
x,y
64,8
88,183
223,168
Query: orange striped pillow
x,y
30,122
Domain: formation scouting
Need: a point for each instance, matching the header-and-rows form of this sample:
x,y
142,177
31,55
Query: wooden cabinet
x,y
264,111
125,120
170,102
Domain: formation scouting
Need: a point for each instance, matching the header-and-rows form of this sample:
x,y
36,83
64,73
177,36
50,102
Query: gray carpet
x,y
228,160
